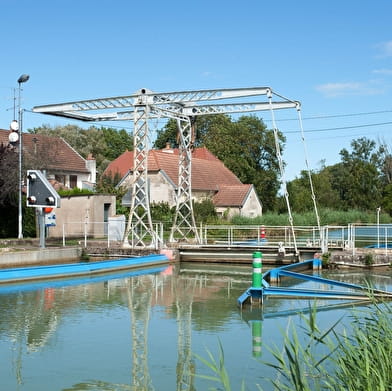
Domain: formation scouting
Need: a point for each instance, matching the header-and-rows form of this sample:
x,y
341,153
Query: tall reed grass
x,y
327,217
359,358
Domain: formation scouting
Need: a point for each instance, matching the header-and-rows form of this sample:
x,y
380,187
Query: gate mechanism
x,y
183,106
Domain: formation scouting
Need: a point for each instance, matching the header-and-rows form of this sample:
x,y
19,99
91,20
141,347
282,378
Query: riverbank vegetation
x,y
356,357
349,191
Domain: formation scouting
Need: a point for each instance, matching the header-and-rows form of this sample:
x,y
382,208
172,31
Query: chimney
x,y
168,148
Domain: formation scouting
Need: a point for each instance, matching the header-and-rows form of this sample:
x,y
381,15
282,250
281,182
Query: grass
x,y
355,359
327,217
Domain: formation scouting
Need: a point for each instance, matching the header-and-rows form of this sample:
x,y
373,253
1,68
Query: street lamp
x,y
22,79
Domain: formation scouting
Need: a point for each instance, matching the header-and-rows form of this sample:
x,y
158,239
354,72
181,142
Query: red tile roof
x,y
208,172
231,195
61,156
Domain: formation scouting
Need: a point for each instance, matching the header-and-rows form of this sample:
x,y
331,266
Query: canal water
x,y
145,330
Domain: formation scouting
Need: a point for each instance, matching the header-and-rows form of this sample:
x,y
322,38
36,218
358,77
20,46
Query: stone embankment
x,y
360,257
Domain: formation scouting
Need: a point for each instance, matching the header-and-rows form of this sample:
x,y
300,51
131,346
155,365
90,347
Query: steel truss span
x,y
142,107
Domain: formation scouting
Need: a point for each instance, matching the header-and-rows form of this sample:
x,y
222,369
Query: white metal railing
x,y
327,237
89,231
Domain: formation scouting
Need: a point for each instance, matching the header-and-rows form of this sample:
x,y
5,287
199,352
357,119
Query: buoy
x,y
257,266
262,234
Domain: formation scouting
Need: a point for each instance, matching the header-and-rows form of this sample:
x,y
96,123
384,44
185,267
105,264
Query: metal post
x,y
41,217
22,79
378,227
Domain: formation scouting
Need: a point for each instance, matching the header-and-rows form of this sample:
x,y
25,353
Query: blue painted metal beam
x,y
79,269
357,292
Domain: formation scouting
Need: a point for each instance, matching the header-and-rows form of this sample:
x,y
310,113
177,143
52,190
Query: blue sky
x,y
334,57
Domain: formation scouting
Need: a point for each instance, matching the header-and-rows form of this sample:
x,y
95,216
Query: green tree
x,y
168,134
358,179
105,144
245,146
300,193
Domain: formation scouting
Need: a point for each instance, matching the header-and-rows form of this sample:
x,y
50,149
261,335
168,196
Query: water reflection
x,y
138,332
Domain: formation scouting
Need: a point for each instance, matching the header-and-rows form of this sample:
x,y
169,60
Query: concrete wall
x,y
39,257
80,214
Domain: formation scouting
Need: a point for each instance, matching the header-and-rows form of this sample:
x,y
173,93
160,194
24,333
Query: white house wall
x,y
161,189
252,206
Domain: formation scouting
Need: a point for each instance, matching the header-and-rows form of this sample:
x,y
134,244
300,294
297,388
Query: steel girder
x,y
182,105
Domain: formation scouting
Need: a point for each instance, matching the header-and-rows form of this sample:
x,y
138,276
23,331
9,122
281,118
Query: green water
x,y
140,332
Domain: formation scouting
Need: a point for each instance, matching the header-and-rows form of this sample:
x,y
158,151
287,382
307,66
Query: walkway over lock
x,y
261,287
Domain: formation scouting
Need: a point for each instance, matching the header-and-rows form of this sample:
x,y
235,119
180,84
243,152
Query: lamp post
x,y
22,79
378,227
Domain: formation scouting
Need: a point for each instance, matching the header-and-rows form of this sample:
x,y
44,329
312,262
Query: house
x,y
65,168
60,161
211,179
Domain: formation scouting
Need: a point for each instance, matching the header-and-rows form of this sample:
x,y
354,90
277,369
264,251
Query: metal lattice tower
x,y
139,222
183,106
184,225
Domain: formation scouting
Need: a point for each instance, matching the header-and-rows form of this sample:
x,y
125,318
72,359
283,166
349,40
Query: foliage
x,y
300,191
8,175
104,144
204,211
161,211
108,185
248,149
74,192
364,358
327,217
357,179
218,368
9,221
356,359
369,259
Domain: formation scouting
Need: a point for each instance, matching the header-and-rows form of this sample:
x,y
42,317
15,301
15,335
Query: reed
x,y
359,358
327,217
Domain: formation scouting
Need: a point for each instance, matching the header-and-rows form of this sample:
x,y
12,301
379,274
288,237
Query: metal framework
x,y
183,106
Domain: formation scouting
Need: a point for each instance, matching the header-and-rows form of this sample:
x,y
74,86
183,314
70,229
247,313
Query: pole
x,y
20,210
22,79
41,217
378,227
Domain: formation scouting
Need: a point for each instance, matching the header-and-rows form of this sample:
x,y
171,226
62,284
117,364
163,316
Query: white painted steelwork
x,y
183,106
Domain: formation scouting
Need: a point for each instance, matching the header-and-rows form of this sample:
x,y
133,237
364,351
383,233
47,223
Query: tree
x,y
9,182
300,191
357,179
8,175
105,144
245,146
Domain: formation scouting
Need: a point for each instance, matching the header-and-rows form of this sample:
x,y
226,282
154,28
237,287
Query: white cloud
x,y
385,48
382,71
351,88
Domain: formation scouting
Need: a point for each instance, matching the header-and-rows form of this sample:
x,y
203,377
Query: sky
x,y
332,56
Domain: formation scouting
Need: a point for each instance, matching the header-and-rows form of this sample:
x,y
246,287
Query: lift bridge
x,y
184,106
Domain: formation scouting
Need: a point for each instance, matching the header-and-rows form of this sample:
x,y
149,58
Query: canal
x,y
141,330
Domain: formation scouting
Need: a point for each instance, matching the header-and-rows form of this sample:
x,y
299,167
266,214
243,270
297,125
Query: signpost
x,y
42,195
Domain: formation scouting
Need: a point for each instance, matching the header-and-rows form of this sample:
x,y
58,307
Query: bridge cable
x,y
282,171
308,168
